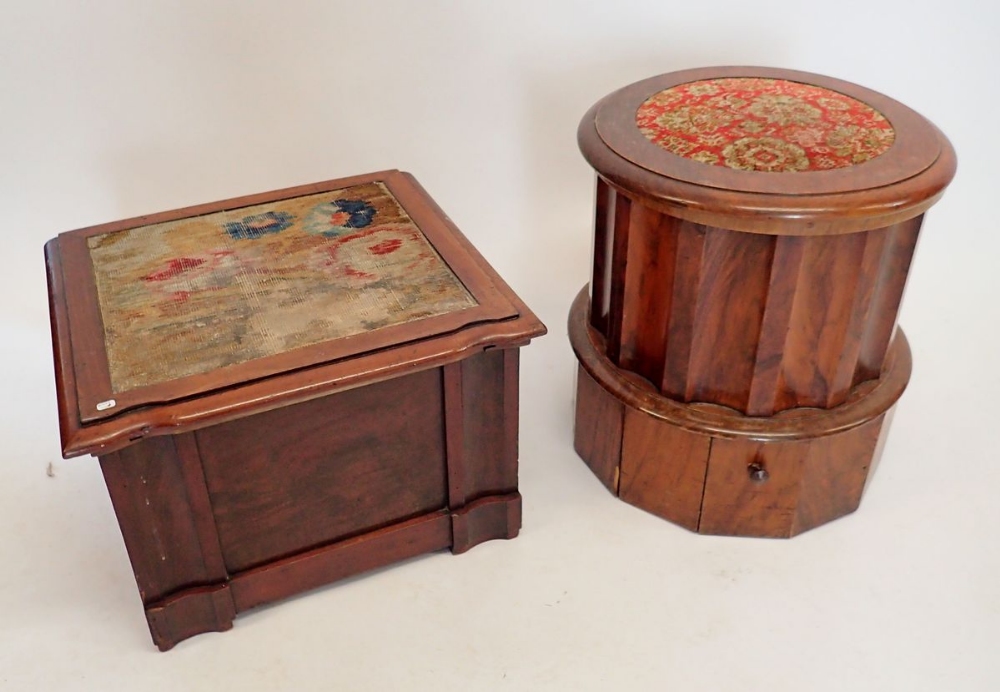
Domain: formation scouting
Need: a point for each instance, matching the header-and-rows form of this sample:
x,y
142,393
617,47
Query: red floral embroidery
x,y
770,125
174,268
358,256
183,277
386,246
358,274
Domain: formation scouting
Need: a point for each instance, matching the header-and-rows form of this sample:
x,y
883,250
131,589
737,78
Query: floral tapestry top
x,y
759,124
190,296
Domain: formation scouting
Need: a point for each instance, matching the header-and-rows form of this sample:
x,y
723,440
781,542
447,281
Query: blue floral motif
x,y
257,225
333,219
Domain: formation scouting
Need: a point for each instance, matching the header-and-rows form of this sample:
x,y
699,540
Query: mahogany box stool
x,y
738,352
287,389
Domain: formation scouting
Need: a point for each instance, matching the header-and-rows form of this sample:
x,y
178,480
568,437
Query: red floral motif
x,y
770,125
386,246
357,273
359,256
175,267
184,276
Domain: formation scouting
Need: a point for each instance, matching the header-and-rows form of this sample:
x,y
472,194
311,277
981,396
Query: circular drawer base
x,y
716,471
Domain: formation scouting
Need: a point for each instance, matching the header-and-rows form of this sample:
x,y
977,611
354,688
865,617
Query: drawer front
x,y
751,487
780,489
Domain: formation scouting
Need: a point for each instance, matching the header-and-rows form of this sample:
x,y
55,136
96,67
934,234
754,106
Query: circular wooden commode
x,y
739,356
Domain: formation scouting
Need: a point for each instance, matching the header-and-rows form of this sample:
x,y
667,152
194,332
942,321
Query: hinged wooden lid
x,y
759,146
191,316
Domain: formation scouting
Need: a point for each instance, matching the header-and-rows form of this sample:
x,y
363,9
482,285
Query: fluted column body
x,y
759,323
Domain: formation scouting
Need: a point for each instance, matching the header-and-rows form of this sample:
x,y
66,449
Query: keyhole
x,y
758,474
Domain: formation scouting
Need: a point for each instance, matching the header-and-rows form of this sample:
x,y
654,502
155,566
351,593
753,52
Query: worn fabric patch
x,y
770,125
191,296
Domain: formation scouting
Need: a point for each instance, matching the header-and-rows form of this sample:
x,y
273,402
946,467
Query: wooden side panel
x,y
158,520
821,314
663,468
489,408
511,410
736,504
785,269
683,308
201,505
294,478
734,280
649,285
454,431
834,474
598,429
887,297
843,368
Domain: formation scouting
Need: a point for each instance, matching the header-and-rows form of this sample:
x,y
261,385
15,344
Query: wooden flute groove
x,y
619,267
601,284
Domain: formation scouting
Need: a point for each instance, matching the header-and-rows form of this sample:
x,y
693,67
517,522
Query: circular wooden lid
x,y
768,150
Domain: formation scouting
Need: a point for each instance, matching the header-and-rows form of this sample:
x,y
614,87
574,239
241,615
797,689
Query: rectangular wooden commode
x,y
288,389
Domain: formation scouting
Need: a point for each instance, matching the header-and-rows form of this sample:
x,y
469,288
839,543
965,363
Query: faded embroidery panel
x,y
190,296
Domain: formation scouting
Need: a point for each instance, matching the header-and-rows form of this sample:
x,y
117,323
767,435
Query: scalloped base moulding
x,y
716,471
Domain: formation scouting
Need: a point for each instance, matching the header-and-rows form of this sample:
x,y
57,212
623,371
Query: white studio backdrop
x,y
114,109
